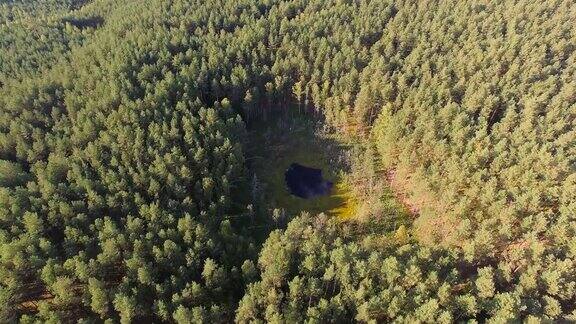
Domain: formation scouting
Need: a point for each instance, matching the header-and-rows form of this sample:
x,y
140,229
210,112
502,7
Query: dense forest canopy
x,y
124,180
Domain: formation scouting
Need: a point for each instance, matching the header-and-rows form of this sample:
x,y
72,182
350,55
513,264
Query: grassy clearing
x,y
275,144
347,209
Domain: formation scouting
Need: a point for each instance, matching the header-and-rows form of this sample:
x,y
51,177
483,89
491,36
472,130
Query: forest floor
x,y
277,143
274,144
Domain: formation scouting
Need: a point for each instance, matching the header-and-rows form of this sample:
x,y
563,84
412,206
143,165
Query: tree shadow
x,y
84,22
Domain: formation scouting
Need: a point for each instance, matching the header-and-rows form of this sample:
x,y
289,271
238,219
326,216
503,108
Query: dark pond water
x,y
305,182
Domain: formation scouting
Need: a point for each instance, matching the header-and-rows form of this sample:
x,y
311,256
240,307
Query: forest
x,y
143,145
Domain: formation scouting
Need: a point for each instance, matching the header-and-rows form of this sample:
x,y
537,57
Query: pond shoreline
x,y
274,145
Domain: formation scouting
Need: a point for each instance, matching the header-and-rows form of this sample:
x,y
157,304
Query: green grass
x,y
276,144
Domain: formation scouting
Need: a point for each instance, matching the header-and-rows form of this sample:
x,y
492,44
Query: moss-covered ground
x,y
275,144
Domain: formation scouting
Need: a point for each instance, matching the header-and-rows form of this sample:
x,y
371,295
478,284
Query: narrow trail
x,y
400,189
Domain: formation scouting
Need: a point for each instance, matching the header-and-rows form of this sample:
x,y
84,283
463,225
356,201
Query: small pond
x,y
305,182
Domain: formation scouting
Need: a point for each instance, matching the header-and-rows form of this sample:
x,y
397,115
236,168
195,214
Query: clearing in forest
x,y
276,144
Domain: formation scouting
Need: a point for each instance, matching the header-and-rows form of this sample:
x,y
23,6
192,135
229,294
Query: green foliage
x,y
125,196
310,273
12,174
34,36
